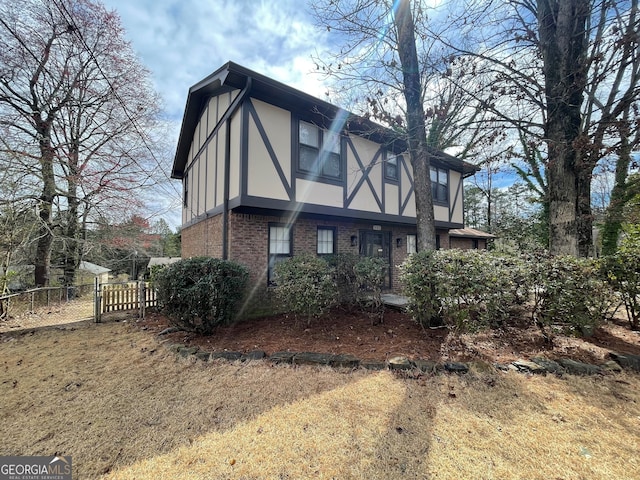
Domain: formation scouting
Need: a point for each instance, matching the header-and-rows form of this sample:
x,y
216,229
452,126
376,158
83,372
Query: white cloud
x,y
183,41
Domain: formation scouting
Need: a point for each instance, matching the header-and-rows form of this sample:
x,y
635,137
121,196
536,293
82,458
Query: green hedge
x,y
305,286
309,286
464,289
470,290
201,293
569,293
343,266
622,271
370,276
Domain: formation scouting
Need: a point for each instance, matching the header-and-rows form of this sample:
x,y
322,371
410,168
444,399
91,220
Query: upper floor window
x,y
326,240
391,168
439,185
319,151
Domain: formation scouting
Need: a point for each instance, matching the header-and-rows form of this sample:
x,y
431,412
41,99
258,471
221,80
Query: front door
x,y
377,244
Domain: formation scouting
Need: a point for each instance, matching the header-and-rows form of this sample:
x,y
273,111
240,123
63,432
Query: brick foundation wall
x,y
249,238
445,240
248,243
203,238
467,243
249,235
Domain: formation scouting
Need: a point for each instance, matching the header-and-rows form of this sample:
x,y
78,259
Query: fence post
x,y
97,301
142,297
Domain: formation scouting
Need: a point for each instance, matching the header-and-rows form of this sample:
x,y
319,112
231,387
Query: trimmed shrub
x,y
370,274
622,272
305,286
464,289
154,271
420,279
200,293
478,289
343,267
569,293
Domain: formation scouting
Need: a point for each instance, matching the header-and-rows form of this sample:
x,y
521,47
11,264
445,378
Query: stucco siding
x,y
263,177
455,197
234,147
318,193
392,204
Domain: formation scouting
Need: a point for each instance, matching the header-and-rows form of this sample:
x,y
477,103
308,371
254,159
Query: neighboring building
x,y
88,272
469,238
269,172
160,262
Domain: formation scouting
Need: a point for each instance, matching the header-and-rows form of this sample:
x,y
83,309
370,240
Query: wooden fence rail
x,y
123,297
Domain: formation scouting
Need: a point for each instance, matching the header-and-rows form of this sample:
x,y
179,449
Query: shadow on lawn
x,y
122,397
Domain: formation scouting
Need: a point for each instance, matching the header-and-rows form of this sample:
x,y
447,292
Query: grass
x,y
124,407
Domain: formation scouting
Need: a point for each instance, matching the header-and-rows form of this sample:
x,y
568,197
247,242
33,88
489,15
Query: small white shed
x,y
95,271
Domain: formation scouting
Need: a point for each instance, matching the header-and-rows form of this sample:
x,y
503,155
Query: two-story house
x,y
269,172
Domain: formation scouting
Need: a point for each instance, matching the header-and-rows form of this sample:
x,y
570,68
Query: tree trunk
x,y
72,244
563,44
585,214
416,128
614,216
72,224
45,230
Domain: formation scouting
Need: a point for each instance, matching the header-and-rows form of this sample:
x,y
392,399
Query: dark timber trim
x,y
267,143
227,166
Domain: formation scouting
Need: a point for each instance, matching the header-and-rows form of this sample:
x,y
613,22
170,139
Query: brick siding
x,y
467,243
203,238
249,238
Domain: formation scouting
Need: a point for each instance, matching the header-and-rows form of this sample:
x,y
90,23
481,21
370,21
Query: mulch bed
x,y
345,332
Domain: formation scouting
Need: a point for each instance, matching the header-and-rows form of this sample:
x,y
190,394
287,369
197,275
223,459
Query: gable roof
x,y
469,233
232,76
92,268
153,261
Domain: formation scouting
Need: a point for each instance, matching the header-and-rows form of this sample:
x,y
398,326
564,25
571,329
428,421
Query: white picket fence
x,y
127,297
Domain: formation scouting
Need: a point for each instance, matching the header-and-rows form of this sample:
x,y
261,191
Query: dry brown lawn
x,y
123,406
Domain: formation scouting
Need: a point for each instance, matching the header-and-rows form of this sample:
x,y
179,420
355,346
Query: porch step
x,y
393,300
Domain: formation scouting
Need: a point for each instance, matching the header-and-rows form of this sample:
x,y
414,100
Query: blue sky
x,y
181,42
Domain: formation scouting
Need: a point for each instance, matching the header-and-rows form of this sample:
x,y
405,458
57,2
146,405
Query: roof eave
x,y
235,76
191,115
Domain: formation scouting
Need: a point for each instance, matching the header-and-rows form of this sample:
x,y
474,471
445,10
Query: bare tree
x,y
565,73
73,96
399,76
104,137
17,225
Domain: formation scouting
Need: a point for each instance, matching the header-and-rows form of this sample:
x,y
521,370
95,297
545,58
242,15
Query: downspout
x,y
227,167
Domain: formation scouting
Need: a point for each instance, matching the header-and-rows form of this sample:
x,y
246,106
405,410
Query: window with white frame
x,y
391,168
279,247
319,151
412,243
326,240
439,185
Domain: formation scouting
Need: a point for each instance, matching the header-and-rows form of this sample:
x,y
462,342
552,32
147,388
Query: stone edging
x,y
537,365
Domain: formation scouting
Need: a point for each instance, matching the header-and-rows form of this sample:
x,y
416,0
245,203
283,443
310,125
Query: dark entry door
x,y
377,244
